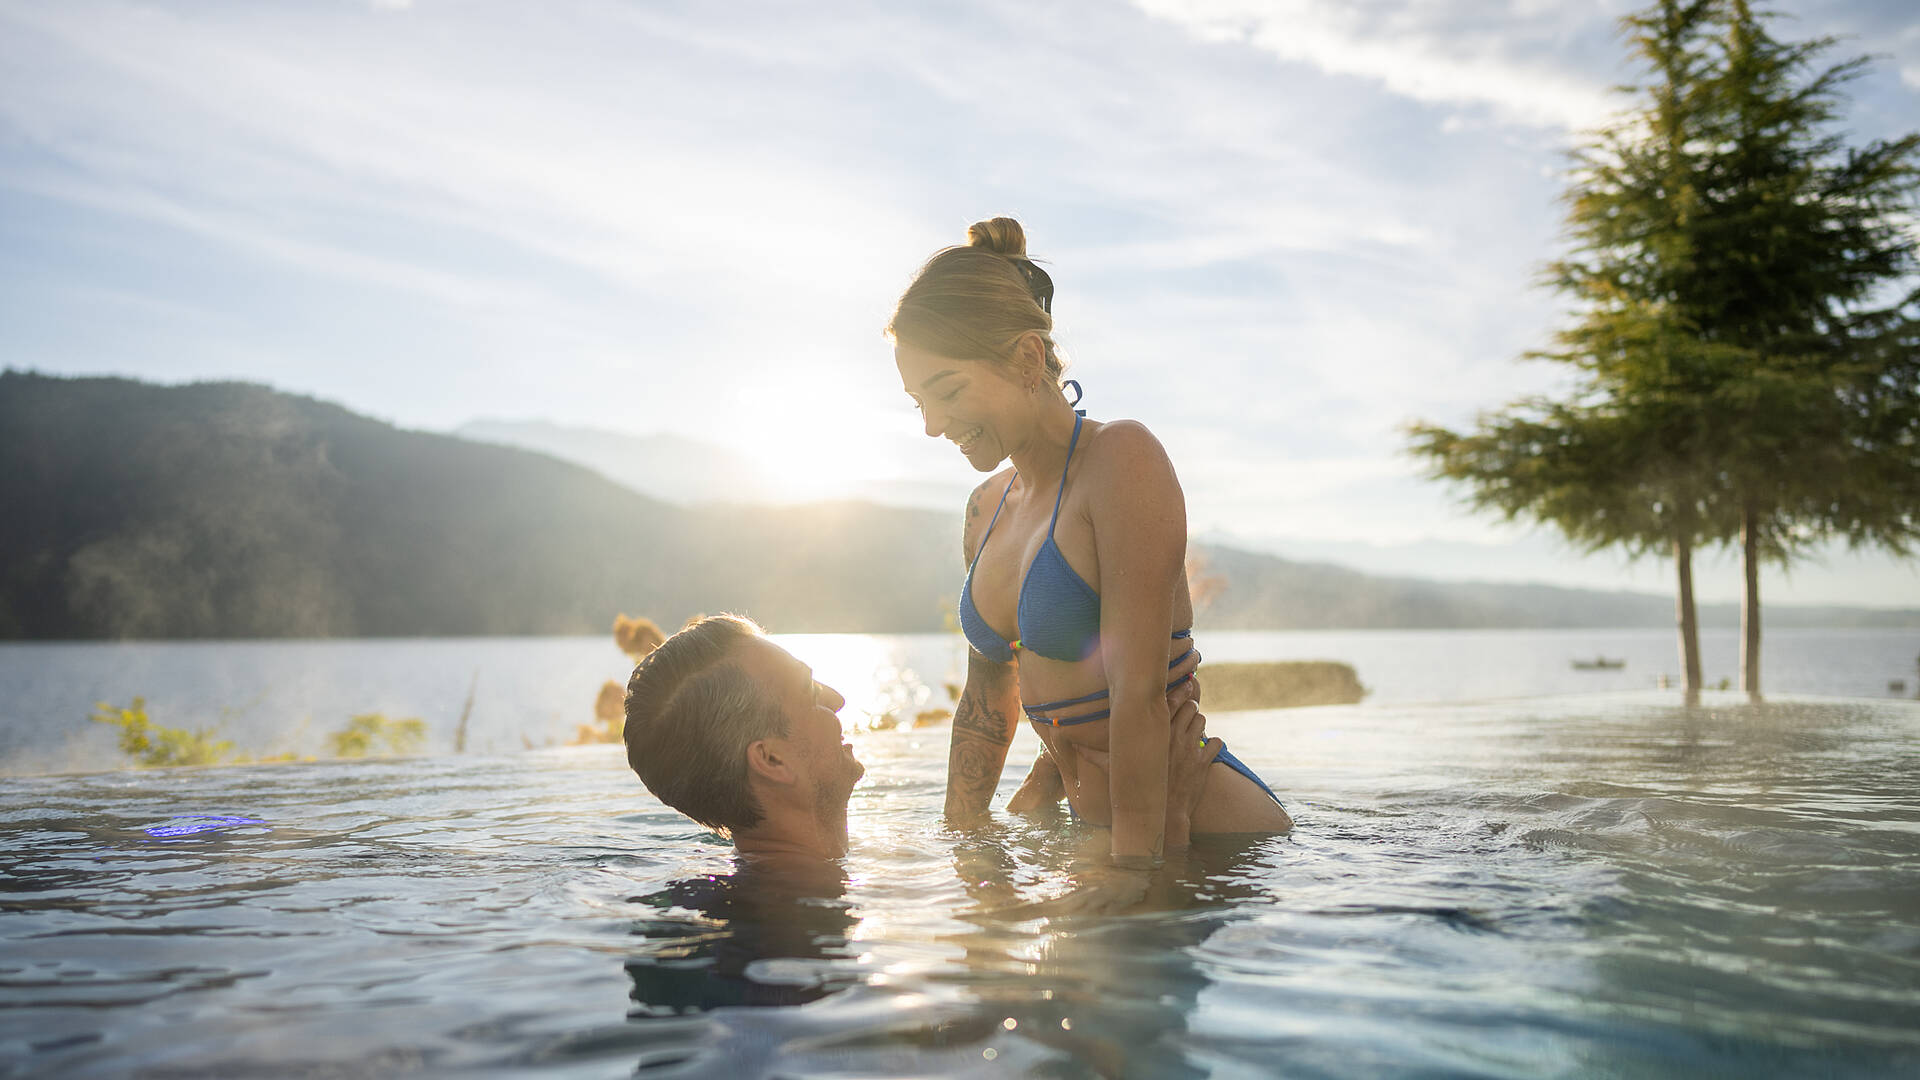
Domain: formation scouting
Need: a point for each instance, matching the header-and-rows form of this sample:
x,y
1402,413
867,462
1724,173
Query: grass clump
x,y
148,743
370,732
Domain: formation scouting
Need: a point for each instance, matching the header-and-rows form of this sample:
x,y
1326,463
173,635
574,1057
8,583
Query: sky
x,y
1278,230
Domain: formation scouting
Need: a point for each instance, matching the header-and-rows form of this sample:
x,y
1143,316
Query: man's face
x,y
813,721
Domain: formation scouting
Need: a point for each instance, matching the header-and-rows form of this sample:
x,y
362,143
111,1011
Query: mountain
x,y
233,510
1264,592
131,510
667,467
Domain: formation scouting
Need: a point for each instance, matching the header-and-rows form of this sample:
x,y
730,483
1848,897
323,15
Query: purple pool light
x,y
197,823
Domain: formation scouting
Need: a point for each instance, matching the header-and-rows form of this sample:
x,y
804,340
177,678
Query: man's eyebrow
x,y
807,673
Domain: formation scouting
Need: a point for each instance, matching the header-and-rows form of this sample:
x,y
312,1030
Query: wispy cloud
x,y
1511,58
1279,229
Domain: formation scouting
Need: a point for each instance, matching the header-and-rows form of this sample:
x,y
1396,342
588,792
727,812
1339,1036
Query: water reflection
x,y
768,934
1017,991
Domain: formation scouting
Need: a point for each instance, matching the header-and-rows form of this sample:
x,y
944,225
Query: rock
x,y
1278,684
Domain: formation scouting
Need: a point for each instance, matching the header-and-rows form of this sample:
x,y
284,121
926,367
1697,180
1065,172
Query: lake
x,y
1521,881
274,697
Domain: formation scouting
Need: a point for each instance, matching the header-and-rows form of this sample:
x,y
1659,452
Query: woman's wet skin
x,y
990,417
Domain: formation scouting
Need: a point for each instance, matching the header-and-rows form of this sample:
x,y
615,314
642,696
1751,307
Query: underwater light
x,y
197,823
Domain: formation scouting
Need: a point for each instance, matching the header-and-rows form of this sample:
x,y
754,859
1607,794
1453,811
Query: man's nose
x,y
831,698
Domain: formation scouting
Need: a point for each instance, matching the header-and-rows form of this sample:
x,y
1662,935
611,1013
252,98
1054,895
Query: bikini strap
x,y
1077,395
1071,443
990,524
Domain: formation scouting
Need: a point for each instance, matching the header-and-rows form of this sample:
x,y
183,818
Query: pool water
x,y
1591,886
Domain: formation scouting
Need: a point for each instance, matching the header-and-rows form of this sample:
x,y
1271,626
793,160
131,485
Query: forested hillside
x,y
131,510
233,510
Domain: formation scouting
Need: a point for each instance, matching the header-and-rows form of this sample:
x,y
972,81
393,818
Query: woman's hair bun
x,y
1001,235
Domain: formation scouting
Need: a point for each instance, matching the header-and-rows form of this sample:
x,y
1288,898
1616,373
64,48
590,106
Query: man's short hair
x,y
692,711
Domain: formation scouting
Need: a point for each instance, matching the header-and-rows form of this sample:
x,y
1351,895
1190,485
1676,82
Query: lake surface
x,y
1606,885
1591,884
273,697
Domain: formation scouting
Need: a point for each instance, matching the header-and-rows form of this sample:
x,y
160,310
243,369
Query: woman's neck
x,y
1044,452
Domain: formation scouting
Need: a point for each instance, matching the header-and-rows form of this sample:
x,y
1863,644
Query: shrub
x,y
149,744
363,732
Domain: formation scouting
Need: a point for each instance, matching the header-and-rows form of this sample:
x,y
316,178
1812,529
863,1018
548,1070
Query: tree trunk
x,y
1750,603
1689,621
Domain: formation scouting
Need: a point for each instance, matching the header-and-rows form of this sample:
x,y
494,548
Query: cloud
x,y
1438,53
1279,230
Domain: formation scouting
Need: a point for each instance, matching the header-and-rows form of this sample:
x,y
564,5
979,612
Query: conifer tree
x,y
1739,272
1624,461
1798,243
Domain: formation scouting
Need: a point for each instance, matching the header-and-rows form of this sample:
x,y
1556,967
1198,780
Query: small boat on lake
x,y
1599,663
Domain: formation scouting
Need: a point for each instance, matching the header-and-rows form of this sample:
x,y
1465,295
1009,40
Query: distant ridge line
x,y
132,510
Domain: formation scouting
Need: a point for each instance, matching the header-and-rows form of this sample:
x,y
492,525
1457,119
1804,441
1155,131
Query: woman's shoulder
x,y
1124,447
981,504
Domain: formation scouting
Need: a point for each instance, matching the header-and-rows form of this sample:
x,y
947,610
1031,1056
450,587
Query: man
x,y
734,732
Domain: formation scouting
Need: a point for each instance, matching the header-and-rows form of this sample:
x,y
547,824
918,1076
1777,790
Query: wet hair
x,y
692,711
974,301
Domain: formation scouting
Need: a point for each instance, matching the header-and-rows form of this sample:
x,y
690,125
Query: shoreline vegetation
x,y
149,745
231,511
1229,686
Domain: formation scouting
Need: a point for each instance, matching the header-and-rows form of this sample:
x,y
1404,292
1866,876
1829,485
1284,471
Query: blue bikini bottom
x,y
1225,757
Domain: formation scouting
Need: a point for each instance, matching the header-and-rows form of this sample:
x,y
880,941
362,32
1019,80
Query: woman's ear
x,y
768,759
1030,358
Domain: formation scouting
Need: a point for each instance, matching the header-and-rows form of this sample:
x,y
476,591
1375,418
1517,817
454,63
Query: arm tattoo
x,y
966,526
981,734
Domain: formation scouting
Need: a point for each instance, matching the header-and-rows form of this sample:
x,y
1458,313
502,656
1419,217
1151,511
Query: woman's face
x,y
976,405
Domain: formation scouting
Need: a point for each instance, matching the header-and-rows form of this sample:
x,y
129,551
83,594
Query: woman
x,y
1075,600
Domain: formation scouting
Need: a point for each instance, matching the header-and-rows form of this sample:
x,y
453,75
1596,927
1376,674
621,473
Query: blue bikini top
x,y
1058,614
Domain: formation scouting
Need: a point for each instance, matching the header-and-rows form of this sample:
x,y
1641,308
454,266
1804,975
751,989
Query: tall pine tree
x,y
1625,461
1799,243
1738,269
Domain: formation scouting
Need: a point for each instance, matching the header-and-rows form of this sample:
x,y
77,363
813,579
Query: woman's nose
x,y
935,422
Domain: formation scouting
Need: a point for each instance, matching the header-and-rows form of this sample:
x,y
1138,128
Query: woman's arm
x,y
989,708
1140,538
983,726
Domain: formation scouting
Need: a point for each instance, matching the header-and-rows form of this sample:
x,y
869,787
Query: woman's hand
x,y
1042,787
1045,786
1189,753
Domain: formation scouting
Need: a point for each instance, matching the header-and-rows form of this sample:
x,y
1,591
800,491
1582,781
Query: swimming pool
x,y
1601,885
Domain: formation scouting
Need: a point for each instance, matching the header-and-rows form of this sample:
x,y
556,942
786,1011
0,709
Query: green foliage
x,y
368,731
149,744
1747,327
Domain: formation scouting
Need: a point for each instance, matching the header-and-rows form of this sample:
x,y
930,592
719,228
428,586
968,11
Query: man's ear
x,y
770,760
